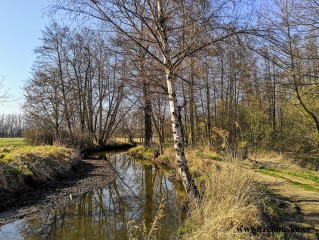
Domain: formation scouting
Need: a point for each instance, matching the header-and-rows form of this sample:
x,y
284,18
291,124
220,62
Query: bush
x,y
41,136
80,141
38,136
298,133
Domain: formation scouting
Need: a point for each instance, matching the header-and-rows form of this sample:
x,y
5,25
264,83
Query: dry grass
x,y
141,232
40,163
231,198
125,140
230,201
168,156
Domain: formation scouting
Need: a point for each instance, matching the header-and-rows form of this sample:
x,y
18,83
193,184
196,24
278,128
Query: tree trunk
x,y
209,120
192,105
147,115
182,166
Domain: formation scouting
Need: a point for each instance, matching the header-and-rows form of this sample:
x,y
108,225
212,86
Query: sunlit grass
x,y
207,154
142,152
13,153
13,142
18,159
231,200
13,148
308,175
281,174
125,140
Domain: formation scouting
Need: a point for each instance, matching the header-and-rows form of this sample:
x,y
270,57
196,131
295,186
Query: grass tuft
x,y
231,200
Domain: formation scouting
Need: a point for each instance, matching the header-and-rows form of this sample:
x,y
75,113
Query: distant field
x,y
137,140
17,142
125,140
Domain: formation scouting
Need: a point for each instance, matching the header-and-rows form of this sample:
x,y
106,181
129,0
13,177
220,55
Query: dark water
x,y
122,210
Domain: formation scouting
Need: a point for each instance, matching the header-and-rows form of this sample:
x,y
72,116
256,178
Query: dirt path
x,y
87,176
288,180
308,201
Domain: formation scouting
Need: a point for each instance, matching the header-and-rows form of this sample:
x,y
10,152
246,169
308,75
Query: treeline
x,y
11,125
78,92
240,78
256,90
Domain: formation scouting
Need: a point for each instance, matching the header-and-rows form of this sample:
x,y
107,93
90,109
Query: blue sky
x,y
21,23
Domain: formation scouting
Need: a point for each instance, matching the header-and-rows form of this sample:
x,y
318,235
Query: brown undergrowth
x,y
231,198
230,201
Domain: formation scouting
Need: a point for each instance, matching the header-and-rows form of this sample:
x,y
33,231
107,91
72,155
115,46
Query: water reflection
x,y
105,213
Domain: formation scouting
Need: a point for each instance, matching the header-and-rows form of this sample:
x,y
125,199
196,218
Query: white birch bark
x,y
182,166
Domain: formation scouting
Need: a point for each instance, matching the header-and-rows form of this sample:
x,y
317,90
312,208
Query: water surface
x,y
122,210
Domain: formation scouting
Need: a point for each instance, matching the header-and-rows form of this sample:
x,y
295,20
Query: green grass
x,y
209,155
23,159
9,147
309,175
13,142
163,158
142,152
13,150
8,154
278,173
305,175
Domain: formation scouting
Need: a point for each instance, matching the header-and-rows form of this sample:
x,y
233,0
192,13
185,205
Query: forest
x,y
244,74
237,77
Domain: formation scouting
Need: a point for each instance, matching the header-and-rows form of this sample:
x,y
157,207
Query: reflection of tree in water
x,y
148,206
104,213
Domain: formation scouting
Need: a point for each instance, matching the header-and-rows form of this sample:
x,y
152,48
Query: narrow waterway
x,y
125,209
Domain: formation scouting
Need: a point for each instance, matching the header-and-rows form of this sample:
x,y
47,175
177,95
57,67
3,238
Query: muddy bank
x,y
42,198
113,146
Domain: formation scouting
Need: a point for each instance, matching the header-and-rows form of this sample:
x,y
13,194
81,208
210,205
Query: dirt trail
x,y
288,180
308,201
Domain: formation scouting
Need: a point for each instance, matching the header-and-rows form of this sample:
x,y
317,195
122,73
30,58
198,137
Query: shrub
x,y
38,136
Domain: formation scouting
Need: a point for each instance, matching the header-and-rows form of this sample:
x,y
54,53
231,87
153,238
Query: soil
x,y
305,201
41,198
292,205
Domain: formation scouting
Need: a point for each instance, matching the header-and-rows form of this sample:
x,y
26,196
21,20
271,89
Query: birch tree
x,y
169,37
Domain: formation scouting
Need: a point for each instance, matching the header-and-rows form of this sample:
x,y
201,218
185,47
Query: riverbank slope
x,y
268,193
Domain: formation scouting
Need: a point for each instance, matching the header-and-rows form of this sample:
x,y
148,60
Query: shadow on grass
x,y
282,212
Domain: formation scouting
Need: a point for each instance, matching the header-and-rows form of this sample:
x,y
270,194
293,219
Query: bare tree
x,y
77,86
169,37
287,44
3,91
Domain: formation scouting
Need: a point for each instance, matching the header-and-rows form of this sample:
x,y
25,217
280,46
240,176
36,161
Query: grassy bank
x,y
111,146
233,199
22,164
13,142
